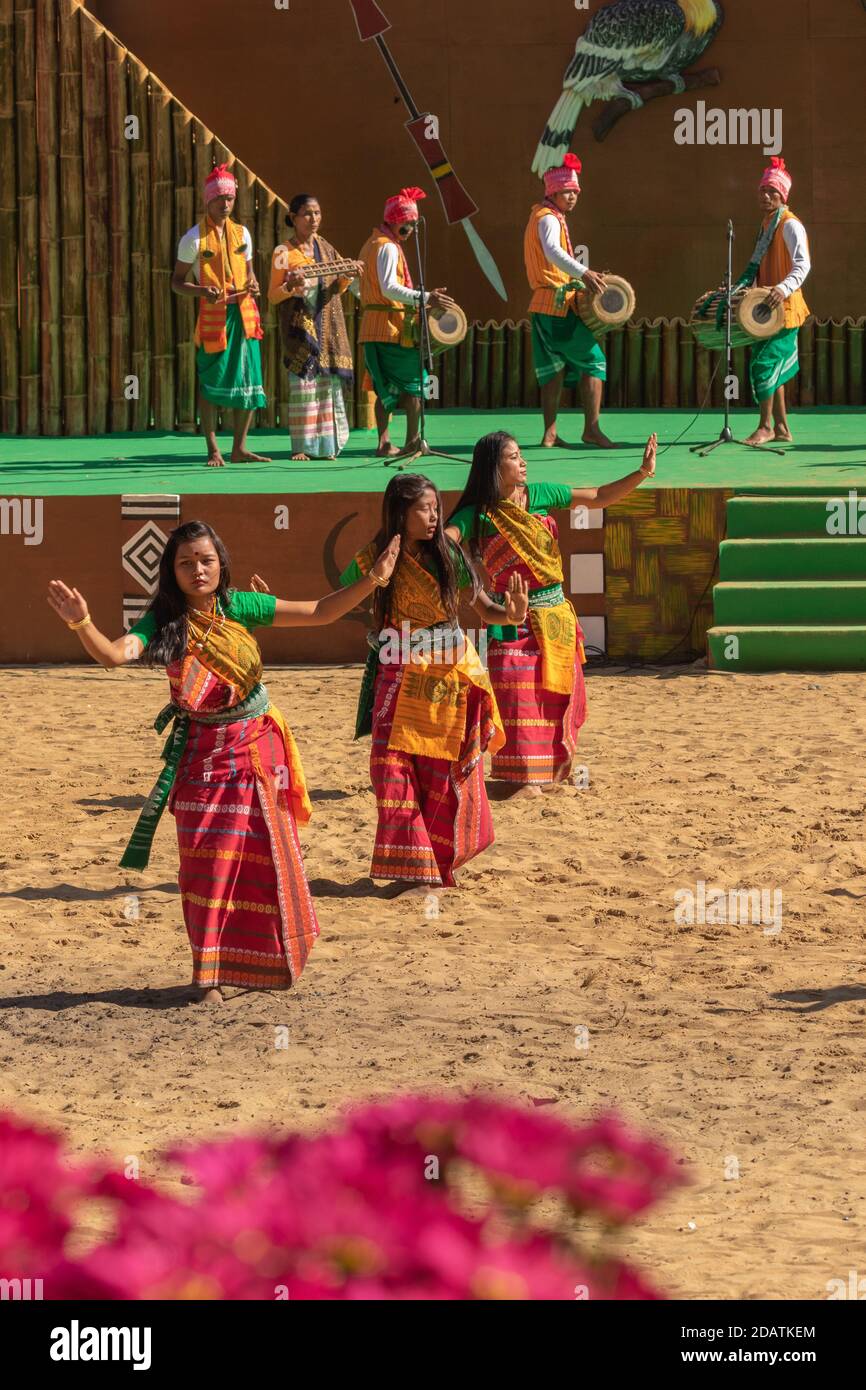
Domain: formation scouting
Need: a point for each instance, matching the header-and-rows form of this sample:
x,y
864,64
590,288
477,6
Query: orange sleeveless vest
x,y
775,267
222,262
544,277
390,322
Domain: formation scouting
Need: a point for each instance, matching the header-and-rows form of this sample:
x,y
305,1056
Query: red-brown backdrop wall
x,y
309,107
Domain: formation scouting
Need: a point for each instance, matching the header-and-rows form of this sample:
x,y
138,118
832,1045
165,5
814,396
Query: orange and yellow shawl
x,y
222,262
221,656
555,627
431,708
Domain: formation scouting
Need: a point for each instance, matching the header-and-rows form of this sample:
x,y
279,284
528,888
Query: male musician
x,y
389,323
781,262
563,348
228,360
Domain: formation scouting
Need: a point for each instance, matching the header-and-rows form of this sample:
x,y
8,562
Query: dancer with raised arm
x,y
232,778
536,667
426,697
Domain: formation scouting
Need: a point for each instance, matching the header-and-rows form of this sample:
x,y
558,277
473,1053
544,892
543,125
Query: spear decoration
x,y
423,128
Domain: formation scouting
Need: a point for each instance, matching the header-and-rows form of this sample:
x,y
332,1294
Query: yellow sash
x,y
232,654
431,707
222,262
555,628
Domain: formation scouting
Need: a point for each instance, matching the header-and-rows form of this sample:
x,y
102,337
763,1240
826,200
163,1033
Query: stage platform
x,y
829,450
642,575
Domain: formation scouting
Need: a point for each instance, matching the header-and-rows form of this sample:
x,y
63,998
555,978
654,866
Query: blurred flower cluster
x,y
413,1198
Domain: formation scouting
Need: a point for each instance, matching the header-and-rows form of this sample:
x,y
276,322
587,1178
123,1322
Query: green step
x,y
821,603
757,517
789,648
839,557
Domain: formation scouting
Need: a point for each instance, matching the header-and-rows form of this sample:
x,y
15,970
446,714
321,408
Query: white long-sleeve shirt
x,y
387,262
549,236
797,243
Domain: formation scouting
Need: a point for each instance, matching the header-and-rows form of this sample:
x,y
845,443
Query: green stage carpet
x,y
829,452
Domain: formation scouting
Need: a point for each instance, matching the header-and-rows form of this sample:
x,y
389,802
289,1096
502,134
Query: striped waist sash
x,y
137,852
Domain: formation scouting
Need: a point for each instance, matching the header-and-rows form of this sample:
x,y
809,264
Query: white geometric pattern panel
x,y
142,553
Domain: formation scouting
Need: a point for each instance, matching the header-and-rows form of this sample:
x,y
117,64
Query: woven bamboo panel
x,y
660,559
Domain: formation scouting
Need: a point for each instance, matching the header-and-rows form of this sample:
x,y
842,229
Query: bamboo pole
x,y
687,366
481,383
652,363
740,371
807,363
163,252
467,368
531,393
73,324
702,375
855,362
634,364
448,379
263,250
95,145
140,255
51,414
670,362
203,162
838,363
119,148
615,385
822,362
9,414
497,365
28,216
183,306
514,369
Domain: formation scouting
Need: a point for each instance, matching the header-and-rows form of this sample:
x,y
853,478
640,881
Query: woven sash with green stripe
x,y
137,852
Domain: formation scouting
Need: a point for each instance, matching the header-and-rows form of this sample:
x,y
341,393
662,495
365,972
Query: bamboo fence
x,y
102,172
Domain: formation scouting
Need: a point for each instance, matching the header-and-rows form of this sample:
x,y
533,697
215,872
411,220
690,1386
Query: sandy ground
x,y
741,1047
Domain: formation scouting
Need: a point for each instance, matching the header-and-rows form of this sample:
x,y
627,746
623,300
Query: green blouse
x,y
249,609
543,498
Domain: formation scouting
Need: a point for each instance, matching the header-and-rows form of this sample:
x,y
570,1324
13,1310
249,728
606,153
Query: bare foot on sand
x,y
246,456
530,789
210,996
762,435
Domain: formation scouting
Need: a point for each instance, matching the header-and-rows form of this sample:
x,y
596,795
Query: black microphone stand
x,y
425,359
727,436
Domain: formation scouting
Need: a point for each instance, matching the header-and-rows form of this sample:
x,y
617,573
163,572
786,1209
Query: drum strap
x,y
762,246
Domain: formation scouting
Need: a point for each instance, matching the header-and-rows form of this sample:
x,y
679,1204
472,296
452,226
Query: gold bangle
x,y
82,622
381,583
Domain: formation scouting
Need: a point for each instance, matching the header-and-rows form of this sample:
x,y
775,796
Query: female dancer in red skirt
x,y
536,667
232,775
426,698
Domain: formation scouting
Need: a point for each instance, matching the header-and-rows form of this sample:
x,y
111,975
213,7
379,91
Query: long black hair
x,y
402,493
481,492
169,605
